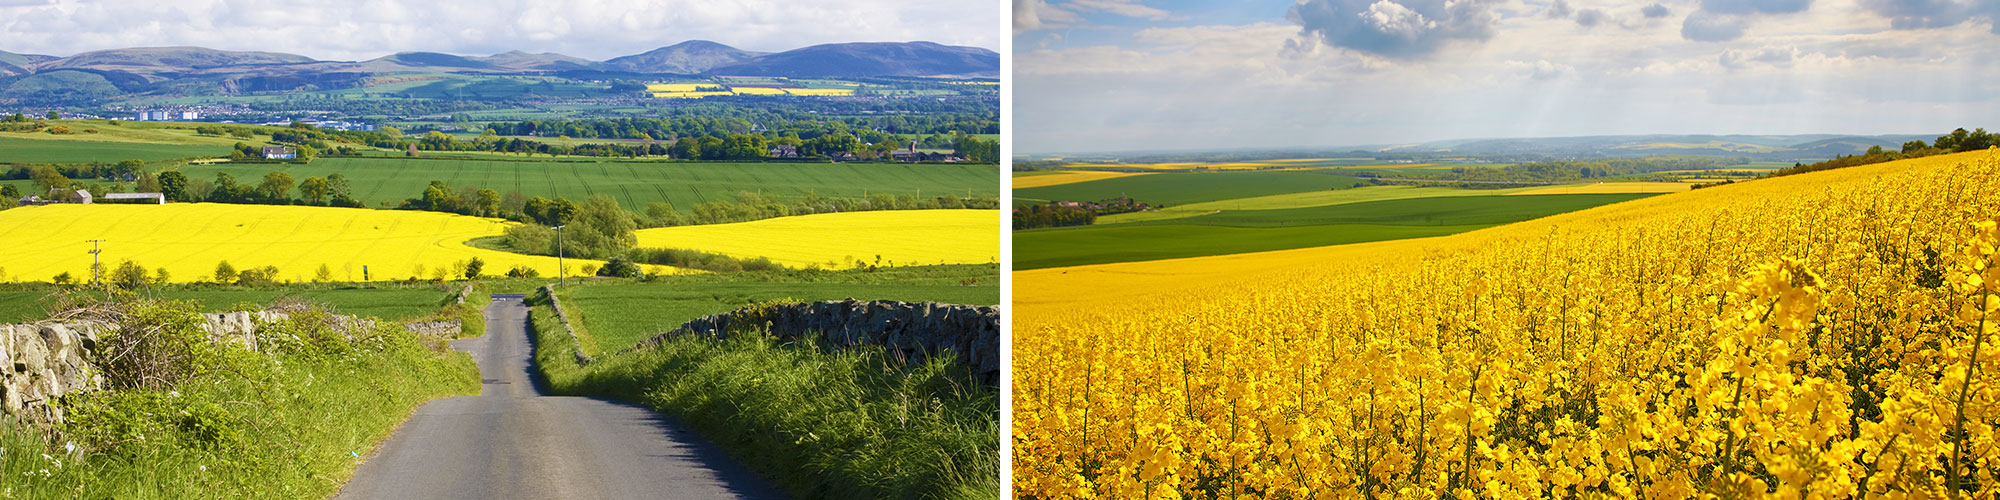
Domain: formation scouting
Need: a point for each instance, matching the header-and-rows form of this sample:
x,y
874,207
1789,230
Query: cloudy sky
x,y
592,29
1123,75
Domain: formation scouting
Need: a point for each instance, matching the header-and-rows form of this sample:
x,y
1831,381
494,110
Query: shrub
x,y
523,272
620,267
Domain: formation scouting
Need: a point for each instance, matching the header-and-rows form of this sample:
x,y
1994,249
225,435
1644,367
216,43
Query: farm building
x,y
280,153
147,198
784,151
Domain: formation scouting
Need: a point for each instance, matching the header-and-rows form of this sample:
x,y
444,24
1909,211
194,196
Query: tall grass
x,y
847,424
291,422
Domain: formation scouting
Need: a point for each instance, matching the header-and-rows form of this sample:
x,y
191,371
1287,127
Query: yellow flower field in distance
x,y
676,87
1067,177
189,239
836,240
1834,332
821,92
1609,188
758,90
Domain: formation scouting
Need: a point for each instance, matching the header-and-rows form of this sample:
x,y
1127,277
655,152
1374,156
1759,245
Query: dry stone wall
x,y
41,362
913,330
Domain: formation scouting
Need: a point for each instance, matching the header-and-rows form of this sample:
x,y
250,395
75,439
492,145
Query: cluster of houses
x,y
909,155
84,197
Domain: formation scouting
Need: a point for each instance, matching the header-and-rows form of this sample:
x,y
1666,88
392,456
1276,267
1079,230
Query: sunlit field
x,y
190,239
1831,332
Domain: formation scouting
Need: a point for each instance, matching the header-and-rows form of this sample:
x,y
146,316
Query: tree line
x,y
1957,141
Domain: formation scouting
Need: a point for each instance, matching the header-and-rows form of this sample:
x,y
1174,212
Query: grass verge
x,y
848,424
290,422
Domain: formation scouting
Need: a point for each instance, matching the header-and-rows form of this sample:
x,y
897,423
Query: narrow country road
x,y
511,441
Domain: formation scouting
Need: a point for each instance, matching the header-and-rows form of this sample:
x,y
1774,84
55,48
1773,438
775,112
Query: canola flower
x,y
839,240
190,239
1827,335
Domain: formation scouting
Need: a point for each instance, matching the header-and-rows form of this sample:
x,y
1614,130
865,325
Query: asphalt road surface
x,y
511,441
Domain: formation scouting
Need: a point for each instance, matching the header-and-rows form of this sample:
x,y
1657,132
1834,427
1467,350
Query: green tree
x,y
52,115
129,276
601,229
225,273
277,187
619,266
472,268
47,177
63,279
325,274
487,203
314,190
161,277
174,185
10,191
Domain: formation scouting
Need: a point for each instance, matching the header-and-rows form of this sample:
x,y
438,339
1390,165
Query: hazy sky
x,y
1113,75
592,29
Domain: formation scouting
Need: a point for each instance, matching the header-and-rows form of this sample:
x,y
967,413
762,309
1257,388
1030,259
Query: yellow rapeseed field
x,y
1829,335
837,240
676,87
758,90
190,239
1067,177
821,92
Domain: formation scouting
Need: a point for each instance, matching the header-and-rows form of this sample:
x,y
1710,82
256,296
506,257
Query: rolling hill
x,y
181,71
689,57
871,59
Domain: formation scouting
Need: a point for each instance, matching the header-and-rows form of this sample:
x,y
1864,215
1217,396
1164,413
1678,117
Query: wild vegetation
x,y
854,423
187,416
1832,334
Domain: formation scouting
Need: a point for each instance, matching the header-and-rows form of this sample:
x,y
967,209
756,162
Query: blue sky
x,y
592,29
1121,75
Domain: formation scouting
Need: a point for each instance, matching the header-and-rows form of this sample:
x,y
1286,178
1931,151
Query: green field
x,y
1243,231
1435,211
633,183
20,150
384,302
1176,188
1302,200
618,313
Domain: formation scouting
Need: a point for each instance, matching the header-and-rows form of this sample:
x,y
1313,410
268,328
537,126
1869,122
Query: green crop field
x,y
1435,211
619,314
1131,243
22,150
1302,200
634,184
1176,188
1241,231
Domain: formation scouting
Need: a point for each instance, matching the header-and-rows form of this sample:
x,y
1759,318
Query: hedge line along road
x,y
513,441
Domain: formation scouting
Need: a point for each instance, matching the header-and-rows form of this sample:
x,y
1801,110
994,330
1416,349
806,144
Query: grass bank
x,y
612,315
206,420
850,424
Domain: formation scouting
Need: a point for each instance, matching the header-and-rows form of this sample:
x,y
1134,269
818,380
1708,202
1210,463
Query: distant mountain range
x,y
162,69
694,57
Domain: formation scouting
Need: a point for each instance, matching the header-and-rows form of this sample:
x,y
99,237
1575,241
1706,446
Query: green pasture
x,y
1241,231
617,315
22,150
390,302
1088,245
1301,200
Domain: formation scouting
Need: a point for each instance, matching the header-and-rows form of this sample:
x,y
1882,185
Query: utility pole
x,y
559,255
96,268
